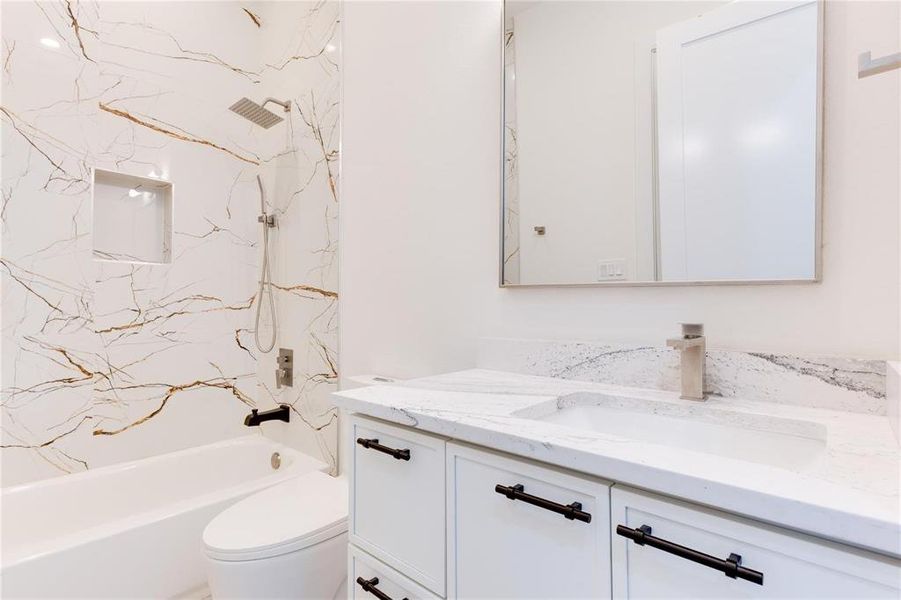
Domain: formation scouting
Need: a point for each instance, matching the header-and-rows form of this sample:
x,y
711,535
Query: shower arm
x,y
286,105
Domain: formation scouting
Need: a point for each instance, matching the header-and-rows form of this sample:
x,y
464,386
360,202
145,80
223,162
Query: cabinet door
x,y
369,579
790,565
507,537
397,499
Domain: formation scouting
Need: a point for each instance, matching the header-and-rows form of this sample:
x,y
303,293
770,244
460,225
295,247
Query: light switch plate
x,y
612,269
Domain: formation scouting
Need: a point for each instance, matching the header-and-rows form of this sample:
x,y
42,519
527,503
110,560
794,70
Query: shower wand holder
x,y
269,220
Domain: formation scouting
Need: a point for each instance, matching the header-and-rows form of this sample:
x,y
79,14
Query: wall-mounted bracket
x,y
867,65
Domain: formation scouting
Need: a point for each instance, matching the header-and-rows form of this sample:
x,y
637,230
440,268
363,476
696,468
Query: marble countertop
x,y
849,494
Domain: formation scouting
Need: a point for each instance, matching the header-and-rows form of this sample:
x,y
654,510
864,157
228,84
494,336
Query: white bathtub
x,y
131,530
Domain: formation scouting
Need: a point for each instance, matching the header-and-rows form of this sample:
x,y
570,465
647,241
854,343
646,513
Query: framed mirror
x,y
661,142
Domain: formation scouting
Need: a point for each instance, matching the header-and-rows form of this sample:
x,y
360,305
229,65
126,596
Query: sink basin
x,y
689,425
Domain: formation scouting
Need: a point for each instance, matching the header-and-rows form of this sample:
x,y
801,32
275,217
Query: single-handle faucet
x,y
284,374
693,357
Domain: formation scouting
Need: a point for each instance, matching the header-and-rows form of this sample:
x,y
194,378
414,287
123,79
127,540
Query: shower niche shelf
x,y
132,218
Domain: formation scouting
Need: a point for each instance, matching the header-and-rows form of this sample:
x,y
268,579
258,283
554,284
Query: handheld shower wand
x,y
265,288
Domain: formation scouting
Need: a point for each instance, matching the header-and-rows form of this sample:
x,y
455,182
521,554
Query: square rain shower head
x,y
255,113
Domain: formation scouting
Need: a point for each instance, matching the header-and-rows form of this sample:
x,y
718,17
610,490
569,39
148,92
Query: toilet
x,y
288,541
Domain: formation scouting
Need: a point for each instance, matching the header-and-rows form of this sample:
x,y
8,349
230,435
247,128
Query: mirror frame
x,y
818,203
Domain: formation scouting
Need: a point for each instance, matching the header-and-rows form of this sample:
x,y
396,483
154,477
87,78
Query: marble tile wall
x,y
822,382
107,361
302,182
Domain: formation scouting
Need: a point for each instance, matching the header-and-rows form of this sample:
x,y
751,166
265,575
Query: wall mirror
x,y
661,142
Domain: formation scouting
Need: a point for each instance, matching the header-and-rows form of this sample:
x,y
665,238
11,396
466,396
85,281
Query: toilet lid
x,y
297,513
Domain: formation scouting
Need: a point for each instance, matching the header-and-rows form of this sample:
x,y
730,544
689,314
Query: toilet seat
x,y
287,517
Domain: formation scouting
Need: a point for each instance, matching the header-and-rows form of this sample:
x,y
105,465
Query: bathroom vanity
x,y
487,484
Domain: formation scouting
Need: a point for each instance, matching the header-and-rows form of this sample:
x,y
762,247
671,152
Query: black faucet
x,y
282,413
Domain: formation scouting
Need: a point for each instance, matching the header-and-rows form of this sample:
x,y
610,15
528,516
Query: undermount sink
x,y
689,425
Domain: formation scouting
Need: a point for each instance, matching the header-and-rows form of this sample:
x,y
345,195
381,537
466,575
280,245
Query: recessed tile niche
x,y
132,218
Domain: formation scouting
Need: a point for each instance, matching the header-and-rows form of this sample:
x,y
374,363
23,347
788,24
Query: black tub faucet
x,y
282,413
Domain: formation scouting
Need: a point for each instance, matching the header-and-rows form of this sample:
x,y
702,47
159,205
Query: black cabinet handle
x,y
573,511
368,585
731,566
375,445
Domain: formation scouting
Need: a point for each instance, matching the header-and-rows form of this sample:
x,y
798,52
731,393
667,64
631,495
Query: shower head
x,y
256,114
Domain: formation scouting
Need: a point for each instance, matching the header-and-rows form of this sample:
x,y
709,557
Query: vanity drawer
x,y
789,565
397,499
368,578
507,541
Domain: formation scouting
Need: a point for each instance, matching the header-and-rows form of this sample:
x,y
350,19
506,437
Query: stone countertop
x,y
849,494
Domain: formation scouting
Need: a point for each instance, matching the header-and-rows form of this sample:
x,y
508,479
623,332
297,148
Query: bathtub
x,y
131,530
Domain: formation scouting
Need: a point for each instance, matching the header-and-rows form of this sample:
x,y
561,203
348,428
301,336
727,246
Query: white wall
x,y
419,220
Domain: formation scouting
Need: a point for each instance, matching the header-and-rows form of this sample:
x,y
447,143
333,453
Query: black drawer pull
x,y
368,585
731,566
375,445
573,511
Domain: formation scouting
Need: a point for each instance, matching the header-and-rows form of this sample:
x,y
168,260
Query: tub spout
x,y
282,413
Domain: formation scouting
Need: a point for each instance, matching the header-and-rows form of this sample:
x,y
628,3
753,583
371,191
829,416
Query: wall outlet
x,y
612,270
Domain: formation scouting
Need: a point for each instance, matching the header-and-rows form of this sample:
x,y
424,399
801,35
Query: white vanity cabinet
x,y
432,518
397,499
789,565
518,530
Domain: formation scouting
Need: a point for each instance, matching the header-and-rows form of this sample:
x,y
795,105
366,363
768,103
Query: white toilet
x,y
288,541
